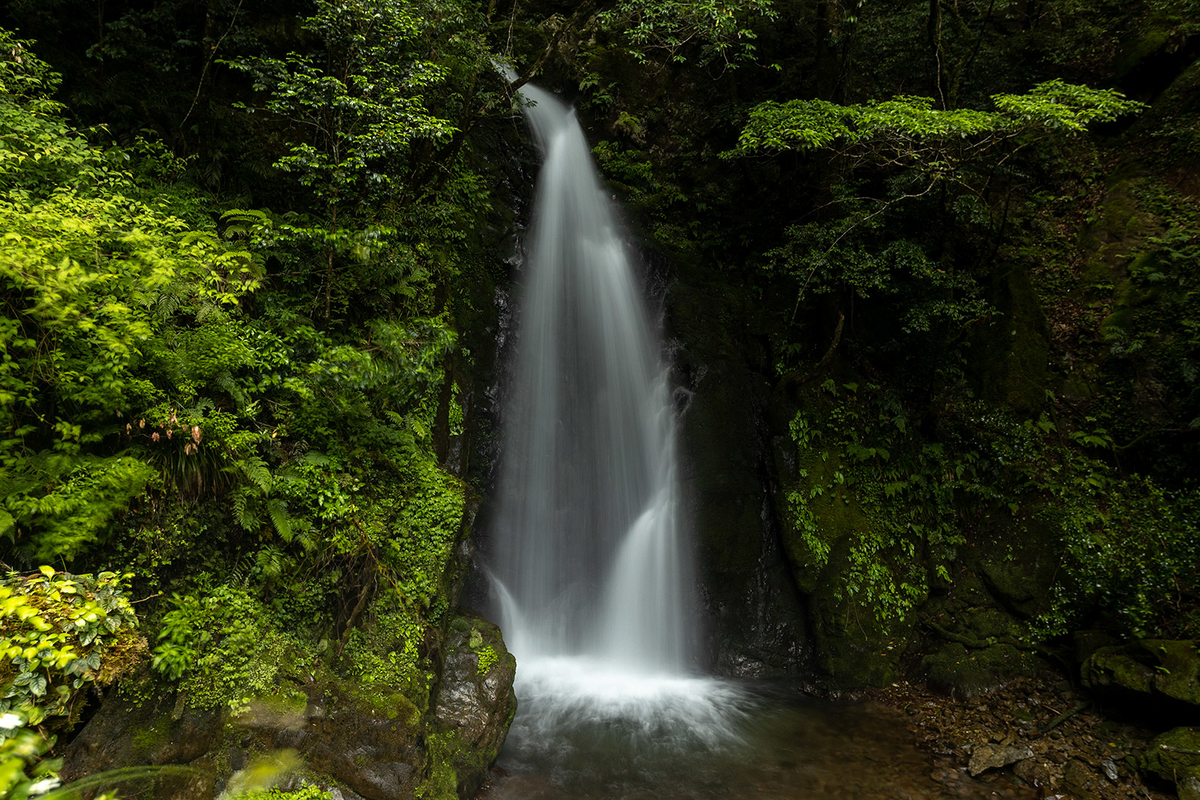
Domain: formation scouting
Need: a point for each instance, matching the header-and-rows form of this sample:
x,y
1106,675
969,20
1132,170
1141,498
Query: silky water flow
x,y
590,567
591,574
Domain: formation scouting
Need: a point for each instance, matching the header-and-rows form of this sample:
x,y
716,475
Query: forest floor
x,y
1037,732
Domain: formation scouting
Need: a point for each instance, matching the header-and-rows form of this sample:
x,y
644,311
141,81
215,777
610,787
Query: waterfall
x,y
588,559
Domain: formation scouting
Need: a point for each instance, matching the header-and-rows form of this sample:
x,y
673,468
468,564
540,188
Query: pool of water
x,y
715,739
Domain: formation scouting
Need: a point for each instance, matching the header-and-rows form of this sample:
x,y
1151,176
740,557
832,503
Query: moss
x,y
965,673
487,657
150,738
1173,753
443,753
1165,667
394,705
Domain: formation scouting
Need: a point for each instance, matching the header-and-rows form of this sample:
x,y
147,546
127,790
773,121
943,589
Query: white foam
x,y
563,693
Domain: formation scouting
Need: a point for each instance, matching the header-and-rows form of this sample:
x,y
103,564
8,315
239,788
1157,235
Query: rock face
x,y
755,616
1157,667
476,703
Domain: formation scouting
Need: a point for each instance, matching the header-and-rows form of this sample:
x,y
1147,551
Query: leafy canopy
x,y
908,128
721,29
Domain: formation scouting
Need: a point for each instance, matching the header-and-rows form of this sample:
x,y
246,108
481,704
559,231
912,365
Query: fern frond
x,y
277,511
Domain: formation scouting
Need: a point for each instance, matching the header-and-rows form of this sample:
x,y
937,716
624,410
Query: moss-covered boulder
x,y
475,704
1162,668
964,673
1174,755
1187,784
159,732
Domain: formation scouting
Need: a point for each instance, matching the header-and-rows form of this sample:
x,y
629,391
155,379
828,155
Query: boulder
x,y
1174,755
126,732
1188,784
475,703
1160,667
963,673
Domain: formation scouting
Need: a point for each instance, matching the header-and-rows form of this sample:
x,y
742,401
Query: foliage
x,y
909,131
358,119
487,657
24,770
919,498
103,291
60,633
365,110
720,30
309,791
856,255
1131,549
225,646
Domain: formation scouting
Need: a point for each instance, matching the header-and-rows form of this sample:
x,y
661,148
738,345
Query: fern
x,y
277,510
255,470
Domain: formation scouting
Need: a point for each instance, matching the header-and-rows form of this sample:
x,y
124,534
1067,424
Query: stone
x,y
964,673
1188,784
1033,772
124,733
1160,667
994,756
475,703
1083,782
1173,753
334,733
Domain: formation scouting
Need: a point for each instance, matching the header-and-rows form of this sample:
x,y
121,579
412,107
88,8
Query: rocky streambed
x,y
1040,734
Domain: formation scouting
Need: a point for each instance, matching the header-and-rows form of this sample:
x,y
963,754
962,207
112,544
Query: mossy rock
x,y
1022,588
1187,784
475,706
836,519
1163,668
1172,755
964,673
333,732
854,647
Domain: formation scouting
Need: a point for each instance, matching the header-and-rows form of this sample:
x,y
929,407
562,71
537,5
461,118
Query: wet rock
x,y
125,733
994,756
1164,668
1033,772
1173,754
1188,784
476,703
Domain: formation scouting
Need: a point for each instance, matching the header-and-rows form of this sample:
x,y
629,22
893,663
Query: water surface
x,y
717,739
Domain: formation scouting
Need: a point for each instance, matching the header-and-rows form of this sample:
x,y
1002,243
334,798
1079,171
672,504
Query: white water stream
x,y
591,570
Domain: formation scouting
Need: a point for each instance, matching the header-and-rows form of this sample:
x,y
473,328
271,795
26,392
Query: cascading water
x,y
587,524
592,577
